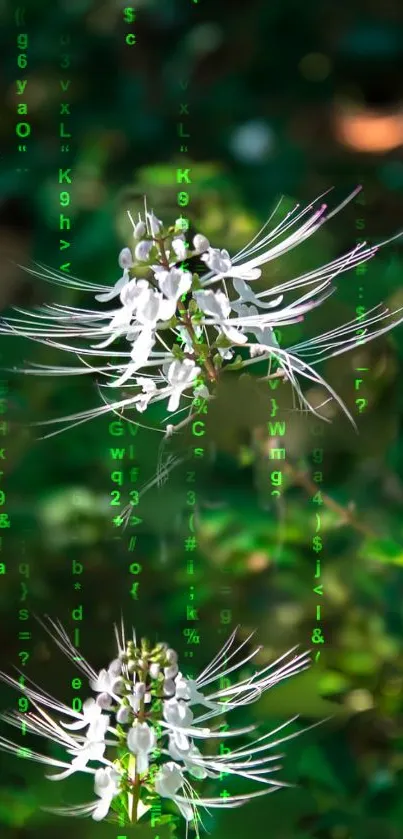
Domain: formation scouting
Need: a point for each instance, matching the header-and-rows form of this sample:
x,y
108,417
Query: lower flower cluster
x,y
142,730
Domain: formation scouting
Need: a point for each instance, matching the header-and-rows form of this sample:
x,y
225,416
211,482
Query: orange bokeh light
x,y
369,131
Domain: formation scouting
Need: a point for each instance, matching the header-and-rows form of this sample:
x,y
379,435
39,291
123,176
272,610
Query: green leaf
x,y
237,364
298,697
177,352
17,806
314,766
222,342
386,551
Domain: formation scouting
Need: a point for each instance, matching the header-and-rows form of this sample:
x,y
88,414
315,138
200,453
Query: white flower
x,y
133,294
140,352
179,717
167,782
213,303
126,262
191,758
92,748
217,304
173,284
151,317
148,390
155,757
148,310
141,741
243,692
246,295
264,334
217,260
106,786
180,375
106,682
91,712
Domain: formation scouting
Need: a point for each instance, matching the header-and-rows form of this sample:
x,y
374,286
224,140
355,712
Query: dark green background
x,y
299,69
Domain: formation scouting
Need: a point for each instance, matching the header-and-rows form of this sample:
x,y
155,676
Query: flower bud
x,y
154,223
118,686
139,690
171,671
169,687
142,250
104,701
181,224
200,243
171,656
125,258
139,230
115,667
154,670
123,715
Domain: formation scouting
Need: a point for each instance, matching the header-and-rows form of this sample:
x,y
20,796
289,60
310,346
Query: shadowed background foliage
x,y
284,98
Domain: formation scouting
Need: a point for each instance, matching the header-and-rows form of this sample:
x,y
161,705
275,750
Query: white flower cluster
x,y
184,329
143,719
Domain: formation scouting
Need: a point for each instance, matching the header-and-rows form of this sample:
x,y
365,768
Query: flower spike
x,y
182,332
138,734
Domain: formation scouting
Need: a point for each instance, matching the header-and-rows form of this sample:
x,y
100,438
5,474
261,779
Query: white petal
x,y
115,291
213,303
180,248
149,307
102,809
174,400
234,335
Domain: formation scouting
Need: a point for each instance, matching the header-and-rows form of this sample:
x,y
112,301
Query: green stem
x,y
187,323
206,362
134,797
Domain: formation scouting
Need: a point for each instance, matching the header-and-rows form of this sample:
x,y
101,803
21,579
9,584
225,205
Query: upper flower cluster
x,y
183,329
142,730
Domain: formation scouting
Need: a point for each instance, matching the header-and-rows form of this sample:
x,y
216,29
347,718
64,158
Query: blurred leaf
x,y
314,766
299,696
385,551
